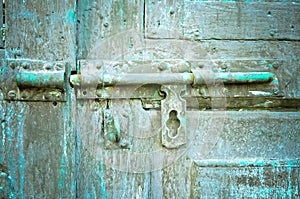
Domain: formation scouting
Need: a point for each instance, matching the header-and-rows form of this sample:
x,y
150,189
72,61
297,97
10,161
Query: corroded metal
x,y
41,80
61,145
173,116
197,77
34,80
133,79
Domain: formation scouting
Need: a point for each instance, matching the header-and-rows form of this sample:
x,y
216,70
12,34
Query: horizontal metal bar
x,y
40,79
202,77
197,77
133,79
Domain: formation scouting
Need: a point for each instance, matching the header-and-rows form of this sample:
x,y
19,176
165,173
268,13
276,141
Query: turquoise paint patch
x,y
71,17
102,184
87,194
21,154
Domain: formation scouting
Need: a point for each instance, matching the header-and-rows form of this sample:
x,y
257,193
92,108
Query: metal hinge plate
x,y
33,80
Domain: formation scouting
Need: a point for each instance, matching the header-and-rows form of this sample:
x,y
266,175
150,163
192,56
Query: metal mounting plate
x,y
33,80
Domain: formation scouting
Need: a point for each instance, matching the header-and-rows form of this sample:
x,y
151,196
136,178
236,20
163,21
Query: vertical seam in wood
x,y
144,19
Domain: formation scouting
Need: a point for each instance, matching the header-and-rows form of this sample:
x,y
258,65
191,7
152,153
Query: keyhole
x,y
173,124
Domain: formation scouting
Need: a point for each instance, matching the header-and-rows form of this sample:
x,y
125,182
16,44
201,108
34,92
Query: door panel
x,y
229,20
37,142
95,136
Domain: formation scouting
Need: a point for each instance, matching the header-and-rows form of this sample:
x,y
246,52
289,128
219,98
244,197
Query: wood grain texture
x,y
1,25
36,150
222,20
39,144
100,20
42,30
261,178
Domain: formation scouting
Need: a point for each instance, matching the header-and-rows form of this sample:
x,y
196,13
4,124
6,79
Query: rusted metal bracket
x,y
33,80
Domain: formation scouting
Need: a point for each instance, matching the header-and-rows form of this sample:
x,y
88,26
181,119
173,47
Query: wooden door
x,y
73,125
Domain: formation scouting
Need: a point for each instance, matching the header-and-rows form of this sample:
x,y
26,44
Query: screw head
x,y
12,94
98,93
124,143
12,65
47,66
47,96
275,65
25,95
200,65
25,65
58,66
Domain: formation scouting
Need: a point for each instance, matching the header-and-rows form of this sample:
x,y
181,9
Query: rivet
x,y
47,66
25,95
172,12
202,91
224,66
12,94
275,65
224,91
200,65
124,143
197,33
58,66
161,67
25,65
12,65
105,25
98,93
47,96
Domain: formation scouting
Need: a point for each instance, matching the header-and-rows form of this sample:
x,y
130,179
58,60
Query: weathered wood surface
x,y
216,135
36,151
251,178
107,171
51,150
1,25
236,20
42,30
37,142
100,20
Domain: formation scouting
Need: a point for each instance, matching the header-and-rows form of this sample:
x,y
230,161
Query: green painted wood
x,y
229,20
65,149
43,30
37,140
250,178
2,26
